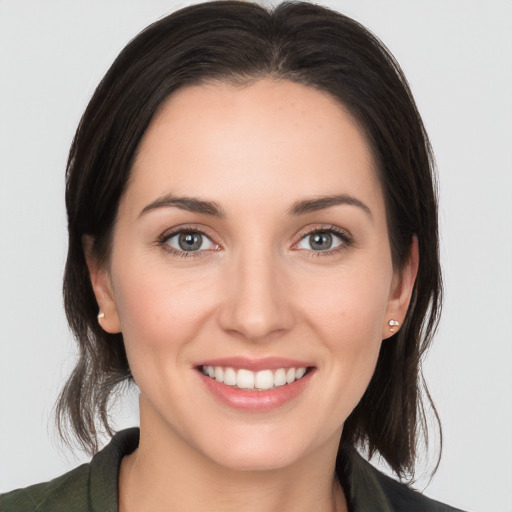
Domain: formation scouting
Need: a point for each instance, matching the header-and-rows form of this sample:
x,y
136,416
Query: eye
x,y
189,241
322,240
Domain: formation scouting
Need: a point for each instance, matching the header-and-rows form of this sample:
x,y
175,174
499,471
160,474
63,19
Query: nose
x,y
256,303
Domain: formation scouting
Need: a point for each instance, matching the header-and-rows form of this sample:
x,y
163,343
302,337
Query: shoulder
x,y
67,492
369,489
89,487
404,498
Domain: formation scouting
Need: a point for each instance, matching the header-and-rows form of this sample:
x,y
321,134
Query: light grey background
x,y
457,55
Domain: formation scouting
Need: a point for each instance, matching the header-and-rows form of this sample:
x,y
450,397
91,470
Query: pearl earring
x,y
101,315
393,325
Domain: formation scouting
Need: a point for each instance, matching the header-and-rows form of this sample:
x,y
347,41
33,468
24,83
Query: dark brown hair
x,y
241,42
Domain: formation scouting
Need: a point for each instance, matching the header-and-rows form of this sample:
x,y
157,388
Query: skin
x,y
256,289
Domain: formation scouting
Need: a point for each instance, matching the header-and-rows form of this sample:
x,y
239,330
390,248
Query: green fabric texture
x,y
92,487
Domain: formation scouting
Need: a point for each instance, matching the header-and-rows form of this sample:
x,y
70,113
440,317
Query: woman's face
x,y
250,245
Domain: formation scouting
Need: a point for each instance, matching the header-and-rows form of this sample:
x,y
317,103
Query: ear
x,y
102,287
401,290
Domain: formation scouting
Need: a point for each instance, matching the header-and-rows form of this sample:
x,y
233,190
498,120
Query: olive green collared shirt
x,y
92,487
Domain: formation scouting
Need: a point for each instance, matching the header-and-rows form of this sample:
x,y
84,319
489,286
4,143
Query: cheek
x,y
159,309
347,315
350,306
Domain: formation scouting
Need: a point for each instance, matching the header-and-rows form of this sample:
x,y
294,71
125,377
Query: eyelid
x,y
186,228
343,234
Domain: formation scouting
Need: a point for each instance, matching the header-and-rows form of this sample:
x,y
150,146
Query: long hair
x,y
240,42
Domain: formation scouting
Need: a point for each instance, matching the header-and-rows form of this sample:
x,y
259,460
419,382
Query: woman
x,y
253,241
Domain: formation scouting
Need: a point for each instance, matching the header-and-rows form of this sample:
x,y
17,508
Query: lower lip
x,y
256,401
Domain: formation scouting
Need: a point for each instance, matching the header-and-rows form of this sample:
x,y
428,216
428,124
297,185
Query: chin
x,y
255,458
263,449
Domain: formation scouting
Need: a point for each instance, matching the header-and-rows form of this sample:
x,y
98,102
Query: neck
x,y
165,473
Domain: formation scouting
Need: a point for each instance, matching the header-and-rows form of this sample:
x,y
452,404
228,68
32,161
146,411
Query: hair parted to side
x,y
240,42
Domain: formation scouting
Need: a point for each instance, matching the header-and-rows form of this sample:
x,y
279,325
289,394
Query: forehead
x,y
269,137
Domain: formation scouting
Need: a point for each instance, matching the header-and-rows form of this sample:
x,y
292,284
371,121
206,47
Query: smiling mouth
x,y
248,380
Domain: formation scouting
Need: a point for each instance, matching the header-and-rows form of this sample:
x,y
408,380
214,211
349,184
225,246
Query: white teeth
x,y
280,377
230,377
219,374
264,379
245,379
260,381
299,373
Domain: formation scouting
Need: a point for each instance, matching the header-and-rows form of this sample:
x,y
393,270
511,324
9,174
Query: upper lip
x,y
266,363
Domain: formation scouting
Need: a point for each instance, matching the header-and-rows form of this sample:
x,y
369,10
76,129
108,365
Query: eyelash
x,y
346,238
164,239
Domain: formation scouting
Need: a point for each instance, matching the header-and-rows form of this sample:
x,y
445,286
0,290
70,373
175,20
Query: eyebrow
x,y
196,205
191,204
321,203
